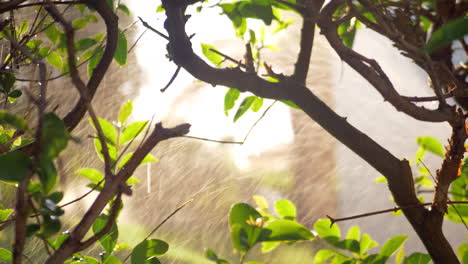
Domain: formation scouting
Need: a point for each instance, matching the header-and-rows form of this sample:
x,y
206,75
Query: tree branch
x,y
79,84
371,71
398,173
309,19
111,20
112,186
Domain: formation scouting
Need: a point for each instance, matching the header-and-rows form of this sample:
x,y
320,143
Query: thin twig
x,y
214,140
110,222
394,209
227,57
83,195
172,79
258,120
446,194
153,29
163,222
137,40
80,85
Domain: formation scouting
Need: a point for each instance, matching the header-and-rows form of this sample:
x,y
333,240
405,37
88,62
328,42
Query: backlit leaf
x,y
230,99
244,106
54,59
213,57
285,230
450,31
5,255
120,55
109,240
91,174
132,131
125,112
431,144
285,209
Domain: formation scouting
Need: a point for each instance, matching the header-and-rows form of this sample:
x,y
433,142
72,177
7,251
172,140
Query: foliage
x,y
31,146
250,226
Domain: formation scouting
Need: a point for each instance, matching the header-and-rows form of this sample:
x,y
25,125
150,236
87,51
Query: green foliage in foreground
x,y
249,226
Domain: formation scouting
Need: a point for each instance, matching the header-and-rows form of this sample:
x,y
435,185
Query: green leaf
x,y
50,226
239,238
125,112
14,166
211,255
366,243
54,138
400,255
419,155
7,80
243,234
424,181
92,174
258,9
6,255
268,246
230,99
213,57
347,32
13,120
132,131
257,104
56,197
85,43
463,253
109,240
148,249
5,213
32,229
285,209
418,258
15,94
431,144
459,215
80,23
43,52
109,259
261,202
112,150
124,9
160,8
323,255
380,179
285,230
352,239
391,246
450,31
52,33
329,233
126,158
120,55
252,39
244,106
23,27
109,131
55,60
95,59
60,239
47,175
290,104
132,181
